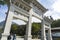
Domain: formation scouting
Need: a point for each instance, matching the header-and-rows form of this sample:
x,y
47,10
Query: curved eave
x,y
41,7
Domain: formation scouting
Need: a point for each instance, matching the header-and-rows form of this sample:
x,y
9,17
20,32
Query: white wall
x,y
56,34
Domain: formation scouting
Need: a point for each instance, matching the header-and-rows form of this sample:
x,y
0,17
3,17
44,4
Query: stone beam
x,y
21,17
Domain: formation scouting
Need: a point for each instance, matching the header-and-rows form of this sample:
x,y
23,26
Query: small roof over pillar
x,y
49,20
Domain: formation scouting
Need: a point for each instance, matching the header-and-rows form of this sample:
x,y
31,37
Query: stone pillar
x,y
8,25
43,34
28,28
49,33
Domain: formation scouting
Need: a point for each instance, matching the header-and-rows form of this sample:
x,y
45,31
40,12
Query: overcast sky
x,y
53,7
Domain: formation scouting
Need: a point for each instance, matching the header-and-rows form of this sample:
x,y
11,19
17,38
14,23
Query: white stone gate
x,y
24,10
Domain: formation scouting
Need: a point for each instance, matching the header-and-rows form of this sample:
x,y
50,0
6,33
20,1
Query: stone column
x,y
49,33
28,28
43,34
8,25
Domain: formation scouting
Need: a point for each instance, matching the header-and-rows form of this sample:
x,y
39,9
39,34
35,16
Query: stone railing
x,y
21,38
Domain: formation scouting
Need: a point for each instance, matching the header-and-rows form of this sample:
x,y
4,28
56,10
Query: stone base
x,y
43,38
4,36
28,37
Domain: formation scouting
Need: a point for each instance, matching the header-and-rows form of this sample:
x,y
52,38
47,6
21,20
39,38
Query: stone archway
x,y
14,13
21,10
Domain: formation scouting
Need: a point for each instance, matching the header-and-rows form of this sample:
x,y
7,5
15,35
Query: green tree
x,y
56,23
21,29
36,29
2,2
18,29
14,28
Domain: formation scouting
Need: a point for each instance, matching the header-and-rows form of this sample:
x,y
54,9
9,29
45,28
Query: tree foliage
x,y
21,29
35,28
2,2
56,23
18,29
